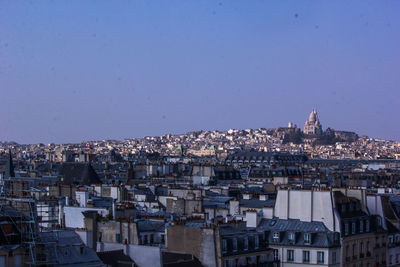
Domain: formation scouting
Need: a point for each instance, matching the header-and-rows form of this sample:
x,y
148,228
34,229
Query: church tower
x,y
312,124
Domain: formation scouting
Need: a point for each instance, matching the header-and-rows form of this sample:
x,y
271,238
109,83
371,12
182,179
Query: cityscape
x,y
199,133
254,197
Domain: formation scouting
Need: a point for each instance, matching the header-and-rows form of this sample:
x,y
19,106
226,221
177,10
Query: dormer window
x,y
353,228
276,236
361,226
256,242
343,208
351,207
367,225
307,238
291,236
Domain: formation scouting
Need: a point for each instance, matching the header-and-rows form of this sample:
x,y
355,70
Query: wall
x,y
196,241
306,206
74,217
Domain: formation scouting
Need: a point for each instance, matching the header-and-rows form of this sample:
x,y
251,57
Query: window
x,y
353,228
151,238
290,255
346,229
307,238
320,257
144,239
291,236
234,244
256,242
351,207
246,243
224,245
391,259
162,239
276,255
354,251
379,221
361,226
361,247
334,257
276,235
343,208
306,256
367,246
17,261
367,225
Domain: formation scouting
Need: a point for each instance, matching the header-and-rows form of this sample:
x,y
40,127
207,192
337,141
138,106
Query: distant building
x,y
312,124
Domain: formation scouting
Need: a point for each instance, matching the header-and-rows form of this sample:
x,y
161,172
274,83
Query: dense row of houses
x,y
259,209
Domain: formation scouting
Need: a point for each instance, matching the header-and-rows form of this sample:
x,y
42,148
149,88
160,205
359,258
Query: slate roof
x,y
116,258
217,202
194,224
70,249
387,208
8,211
320,235
172,259
150,226
79,173
161,191
256,203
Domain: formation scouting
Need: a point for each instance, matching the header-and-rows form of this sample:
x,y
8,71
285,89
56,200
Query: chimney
x,y
114,209
252,218
61,214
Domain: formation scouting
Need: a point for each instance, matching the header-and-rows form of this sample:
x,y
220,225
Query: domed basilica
x,y
312,124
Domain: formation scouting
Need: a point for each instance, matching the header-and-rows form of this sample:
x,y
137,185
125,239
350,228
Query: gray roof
x,y
70,250
320,235
256,203
150,226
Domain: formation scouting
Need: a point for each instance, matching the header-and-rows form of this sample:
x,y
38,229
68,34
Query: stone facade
x,y
312,125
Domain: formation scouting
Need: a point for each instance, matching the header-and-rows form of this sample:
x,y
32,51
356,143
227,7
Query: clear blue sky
x,y
86,70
